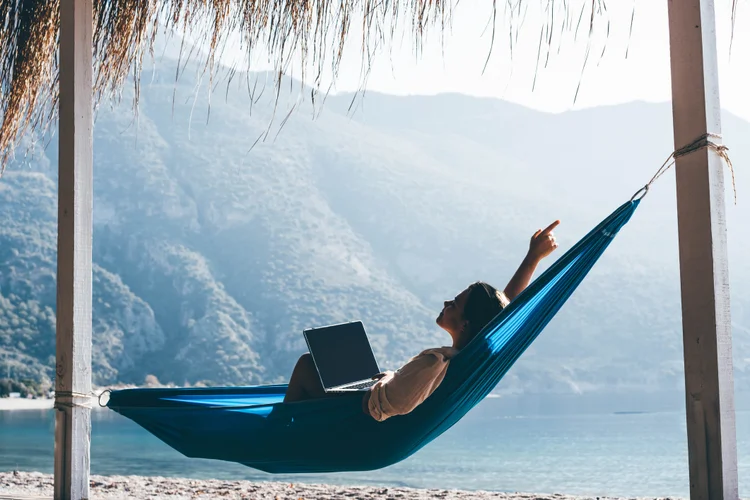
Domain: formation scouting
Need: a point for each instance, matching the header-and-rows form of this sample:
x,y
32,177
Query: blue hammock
x,y
252,426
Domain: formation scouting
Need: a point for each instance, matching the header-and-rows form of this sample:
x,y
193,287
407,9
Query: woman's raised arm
x,y
542,244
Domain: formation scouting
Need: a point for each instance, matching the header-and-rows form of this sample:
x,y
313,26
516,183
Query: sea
x,y
618,454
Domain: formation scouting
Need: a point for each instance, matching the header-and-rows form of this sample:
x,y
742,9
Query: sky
x,y
456,64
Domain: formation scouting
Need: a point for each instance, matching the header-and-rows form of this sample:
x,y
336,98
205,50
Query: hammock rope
x,y
699,143
72,399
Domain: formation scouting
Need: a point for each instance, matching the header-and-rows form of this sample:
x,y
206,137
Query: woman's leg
x,y
305,382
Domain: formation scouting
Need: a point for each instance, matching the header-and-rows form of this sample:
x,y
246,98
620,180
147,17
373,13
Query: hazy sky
x,y
644,75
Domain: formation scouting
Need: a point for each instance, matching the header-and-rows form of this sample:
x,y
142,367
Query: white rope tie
x,y
701,142
69,399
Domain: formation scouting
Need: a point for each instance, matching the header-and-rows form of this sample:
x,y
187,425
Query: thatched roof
x,y
125,31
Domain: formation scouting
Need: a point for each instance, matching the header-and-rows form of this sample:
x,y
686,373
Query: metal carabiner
x,y
642,192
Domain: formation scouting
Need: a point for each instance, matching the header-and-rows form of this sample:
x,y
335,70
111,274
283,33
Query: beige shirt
x,y
398,393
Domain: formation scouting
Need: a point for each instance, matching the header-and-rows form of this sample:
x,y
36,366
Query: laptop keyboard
x,y
362,385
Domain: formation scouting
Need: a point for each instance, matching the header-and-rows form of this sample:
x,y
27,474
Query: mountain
x,y
212,252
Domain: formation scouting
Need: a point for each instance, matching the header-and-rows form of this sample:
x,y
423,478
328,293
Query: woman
x,y
398,393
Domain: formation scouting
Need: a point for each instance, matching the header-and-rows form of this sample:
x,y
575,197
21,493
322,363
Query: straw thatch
x,y
314,31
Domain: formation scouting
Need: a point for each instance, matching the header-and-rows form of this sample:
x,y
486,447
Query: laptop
x,y
343,356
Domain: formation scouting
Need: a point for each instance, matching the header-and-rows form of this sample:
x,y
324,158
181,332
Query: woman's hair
x,y
483,303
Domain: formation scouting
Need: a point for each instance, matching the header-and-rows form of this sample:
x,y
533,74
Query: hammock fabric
x,y
252,426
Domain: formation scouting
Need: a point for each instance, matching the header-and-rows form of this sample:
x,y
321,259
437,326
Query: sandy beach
x,y
34,484
7,404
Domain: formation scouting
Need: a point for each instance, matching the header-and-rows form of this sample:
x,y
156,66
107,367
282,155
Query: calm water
x,y
635,455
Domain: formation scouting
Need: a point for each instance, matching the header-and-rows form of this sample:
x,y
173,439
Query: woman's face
x,y
451,318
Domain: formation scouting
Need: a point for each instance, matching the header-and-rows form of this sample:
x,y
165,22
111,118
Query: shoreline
x,y
15,404
36,484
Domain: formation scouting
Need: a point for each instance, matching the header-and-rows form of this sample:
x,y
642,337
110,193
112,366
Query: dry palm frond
x,y
311,32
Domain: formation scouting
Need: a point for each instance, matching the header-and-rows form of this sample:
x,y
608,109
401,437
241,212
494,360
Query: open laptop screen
x,y
342,353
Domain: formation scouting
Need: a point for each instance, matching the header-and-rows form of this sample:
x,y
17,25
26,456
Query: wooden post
x,y
707,334
74,232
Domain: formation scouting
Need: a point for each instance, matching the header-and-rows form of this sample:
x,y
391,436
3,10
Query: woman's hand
x,y
366,396
543,242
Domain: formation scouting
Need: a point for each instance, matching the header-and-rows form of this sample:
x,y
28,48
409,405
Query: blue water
x,y
628,455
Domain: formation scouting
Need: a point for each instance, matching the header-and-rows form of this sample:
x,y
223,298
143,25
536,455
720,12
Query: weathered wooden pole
x,y
707,333
74,233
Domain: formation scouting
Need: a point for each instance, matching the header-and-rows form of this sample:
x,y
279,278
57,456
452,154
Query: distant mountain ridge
x,y
211,257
